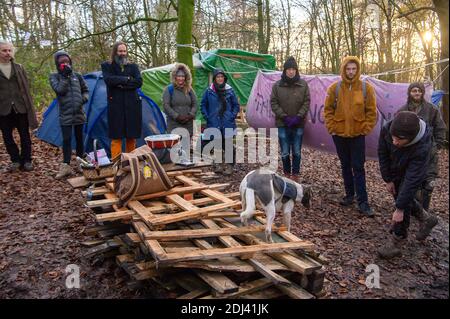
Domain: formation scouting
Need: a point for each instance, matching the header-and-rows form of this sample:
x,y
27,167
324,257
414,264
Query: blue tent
x,y
153,121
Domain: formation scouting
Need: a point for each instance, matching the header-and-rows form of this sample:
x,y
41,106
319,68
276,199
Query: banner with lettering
x,y
390,97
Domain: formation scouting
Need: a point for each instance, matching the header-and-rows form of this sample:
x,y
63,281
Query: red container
x,y
162,141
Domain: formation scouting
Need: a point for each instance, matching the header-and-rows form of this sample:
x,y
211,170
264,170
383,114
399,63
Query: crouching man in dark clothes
x,y
404,154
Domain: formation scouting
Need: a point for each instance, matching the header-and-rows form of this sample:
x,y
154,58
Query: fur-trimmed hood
x,y
186,70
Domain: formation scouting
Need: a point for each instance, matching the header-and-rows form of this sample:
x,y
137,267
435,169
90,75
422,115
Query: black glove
x,y
67,70
181,119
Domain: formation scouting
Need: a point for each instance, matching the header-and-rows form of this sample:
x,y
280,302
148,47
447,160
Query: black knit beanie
x,y
290,63
405,125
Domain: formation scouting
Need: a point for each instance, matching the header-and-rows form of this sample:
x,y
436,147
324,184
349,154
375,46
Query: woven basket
x,y
101,172
98,172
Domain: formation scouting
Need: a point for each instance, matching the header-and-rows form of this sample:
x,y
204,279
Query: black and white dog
x,y
274,193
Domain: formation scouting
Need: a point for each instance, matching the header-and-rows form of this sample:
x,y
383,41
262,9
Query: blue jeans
x,y
352,155
291,141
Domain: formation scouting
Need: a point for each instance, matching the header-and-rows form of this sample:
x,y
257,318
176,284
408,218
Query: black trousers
x,y
67,141
7,125
414,209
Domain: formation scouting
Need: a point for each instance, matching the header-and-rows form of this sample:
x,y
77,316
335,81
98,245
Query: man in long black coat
x,y
404,154
122,80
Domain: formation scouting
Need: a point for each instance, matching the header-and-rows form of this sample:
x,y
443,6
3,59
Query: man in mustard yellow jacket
x,y
350,114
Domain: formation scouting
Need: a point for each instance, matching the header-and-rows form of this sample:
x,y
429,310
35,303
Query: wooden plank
x,y
213,215
181,202
121,215
77,182
175,190
184,172
210,193
96,191
245,288
156,250
219,282
102,202
156,207
175,235
196,213
194,293
231,242
127,258
133,238
233,251
296,263
294,291
140,210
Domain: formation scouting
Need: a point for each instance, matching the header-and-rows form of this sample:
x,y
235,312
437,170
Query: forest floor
x,y
42,224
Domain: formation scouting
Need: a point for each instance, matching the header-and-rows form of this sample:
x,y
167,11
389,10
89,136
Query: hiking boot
x,y
426,225
307,194
64,171
392,249
365,209
14,167
346,201
78,169
28,166
228,169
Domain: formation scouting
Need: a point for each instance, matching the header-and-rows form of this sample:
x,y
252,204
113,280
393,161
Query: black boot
x,y
393,248
427,223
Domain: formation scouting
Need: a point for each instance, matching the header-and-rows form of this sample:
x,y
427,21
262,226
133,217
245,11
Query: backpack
x,y
139,172
338,87
171,89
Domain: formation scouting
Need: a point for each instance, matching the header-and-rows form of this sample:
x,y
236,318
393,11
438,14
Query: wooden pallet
x,y
194,230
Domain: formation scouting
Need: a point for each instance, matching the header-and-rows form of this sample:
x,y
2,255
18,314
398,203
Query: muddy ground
x,y
42,224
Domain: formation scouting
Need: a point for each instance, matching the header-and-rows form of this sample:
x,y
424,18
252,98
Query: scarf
x,y
220,90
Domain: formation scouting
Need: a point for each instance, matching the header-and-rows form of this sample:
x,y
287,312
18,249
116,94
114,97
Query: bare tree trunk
x,y
184,32
442,12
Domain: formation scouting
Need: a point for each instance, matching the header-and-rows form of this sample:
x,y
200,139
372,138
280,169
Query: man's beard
x,y
121,60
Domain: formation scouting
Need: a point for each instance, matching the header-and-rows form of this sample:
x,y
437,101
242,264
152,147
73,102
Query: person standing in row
x,y
72,92
290,101
16,109
430,114
220,108
123,80
179,99
350,115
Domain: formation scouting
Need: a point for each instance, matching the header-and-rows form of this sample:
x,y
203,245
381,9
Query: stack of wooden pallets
x,y
190,241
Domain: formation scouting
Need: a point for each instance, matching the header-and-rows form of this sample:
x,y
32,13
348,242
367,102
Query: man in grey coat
x,y
432,117
290,102
16,109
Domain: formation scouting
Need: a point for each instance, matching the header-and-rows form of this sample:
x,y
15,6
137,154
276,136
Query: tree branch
x,y
403,15
71,41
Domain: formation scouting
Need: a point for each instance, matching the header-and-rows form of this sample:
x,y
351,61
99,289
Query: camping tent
x,y
240,66
97,122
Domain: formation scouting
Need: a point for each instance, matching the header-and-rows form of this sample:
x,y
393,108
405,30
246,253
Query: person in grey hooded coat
x,y
72,92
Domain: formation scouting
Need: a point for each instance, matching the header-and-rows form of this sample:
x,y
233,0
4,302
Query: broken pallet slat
x,y
232,251
175,235
120,215
195,213
219,282
297,263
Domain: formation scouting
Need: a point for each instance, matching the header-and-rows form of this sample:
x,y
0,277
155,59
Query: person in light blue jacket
x,y
220,108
